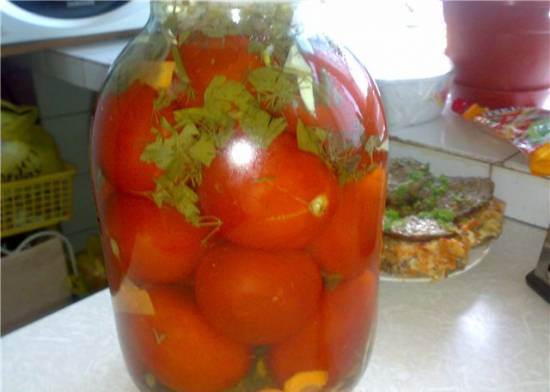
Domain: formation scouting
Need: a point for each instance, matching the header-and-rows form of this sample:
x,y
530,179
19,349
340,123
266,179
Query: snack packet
x,y
527,128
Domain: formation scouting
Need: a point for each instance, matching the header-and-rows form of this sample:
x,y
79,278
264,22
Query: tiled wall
x,y
66,112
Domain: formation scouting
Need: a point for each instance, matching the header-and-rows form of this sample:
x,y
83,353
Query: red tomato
x,y
205,57
179,348
257,297
158,244
349,312
274,198
347,246
373,190
338,248
122,130
336,340
115,267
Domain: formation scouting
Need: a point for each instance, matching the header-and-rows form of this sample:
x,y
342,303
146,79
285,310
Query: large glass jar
x,y
239,160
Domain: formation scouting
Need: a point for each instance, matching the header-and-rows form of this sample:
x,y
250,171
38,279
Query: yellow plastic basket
x,y
37,202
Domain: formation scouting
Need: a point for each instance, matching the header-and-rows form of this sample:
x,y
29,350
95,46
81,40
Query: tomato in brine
x,y
274,199
347,253
156,245
122,130
332,341
178,347
257,297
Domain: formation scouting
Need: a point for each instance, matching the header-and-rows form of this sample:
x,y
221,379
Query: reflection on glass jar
x,y
239,161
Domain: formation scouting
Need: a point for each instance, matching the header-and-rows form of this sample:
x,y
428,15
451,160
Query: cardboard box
x,y
34,283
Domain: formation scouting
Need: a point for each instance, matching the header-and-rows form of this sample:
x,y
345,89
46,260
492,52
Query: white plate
x,y
476,256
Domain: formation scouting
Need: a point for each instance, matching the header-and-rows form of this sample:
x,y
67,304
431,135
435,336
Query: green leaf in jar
x,y
338,153
183,149
218,125
275,88
164,150
331,281
182,73
261,127
180,155
311,139
224,97
223,136
159,152
180,69
163,100
371,144
258,377
180,196
256,47
348,168
167,126
227,95
199,117
204,150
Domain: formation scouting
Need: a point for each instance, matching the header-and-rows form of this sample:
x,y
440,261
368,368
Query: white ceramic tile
x,y
450,133
56,97
527,197
59,65
440,162
99,52
517,162
83,65
84,214
71,133
95,75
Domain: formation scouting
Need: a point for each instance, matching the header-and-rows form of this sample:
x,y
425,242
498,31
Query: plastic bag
x,y
28,150
527,128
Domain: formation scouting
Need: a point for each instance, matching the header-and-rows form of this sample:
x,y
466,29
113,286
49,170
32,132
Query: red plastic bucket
x,y
501,51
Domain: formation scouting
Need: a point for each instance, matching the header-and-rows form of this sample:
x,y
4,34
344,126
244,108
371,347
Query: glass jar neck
x,y
222,18
165,8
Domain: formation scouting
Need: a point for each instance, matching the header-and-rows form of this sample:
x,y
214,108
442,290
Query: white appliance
x,y
31,22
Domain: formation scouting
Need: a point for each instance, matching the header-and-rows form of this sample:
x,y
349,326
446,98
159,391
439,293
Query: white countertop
x,y
484,330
